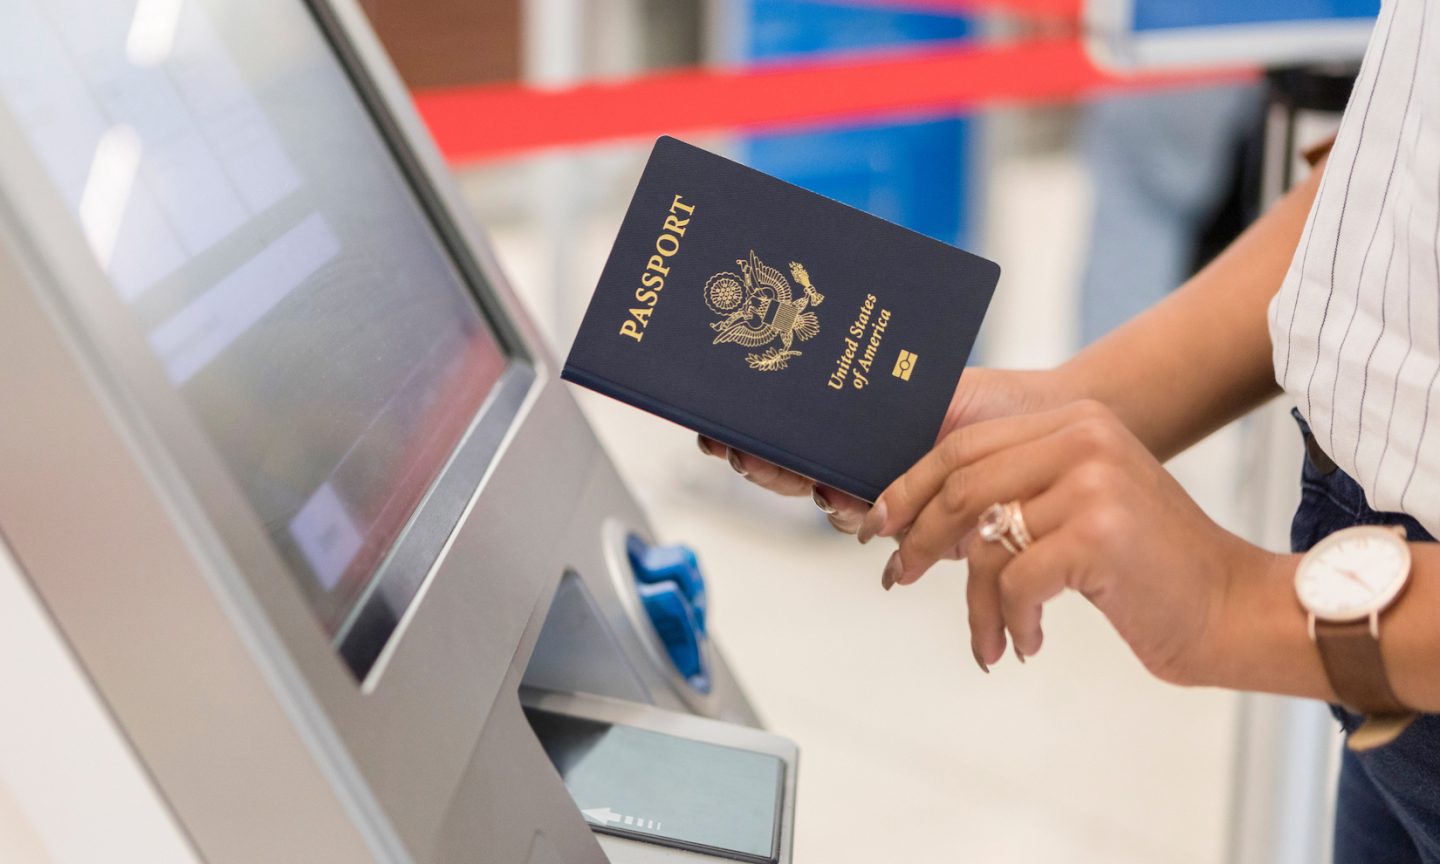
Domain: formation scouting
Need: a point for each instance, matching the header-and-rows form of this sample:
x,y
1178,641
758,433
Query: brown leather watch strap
x,y
1351,655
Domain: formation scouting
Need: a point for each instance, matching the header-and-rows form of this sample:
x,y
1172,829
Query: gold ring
x,y
994,527
1004,524
1018,531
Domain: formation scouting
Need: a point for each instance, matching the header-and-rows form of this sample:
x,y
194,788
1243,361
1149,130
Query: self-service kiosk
x,y
288,476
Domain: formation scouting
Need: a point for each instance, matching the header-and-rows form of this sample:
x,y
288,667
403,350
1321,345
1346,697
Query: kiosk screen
x,y
227,179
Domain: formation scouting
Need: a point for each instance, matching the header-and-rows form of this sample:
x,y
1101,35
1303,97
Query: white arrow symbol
x,y
603,815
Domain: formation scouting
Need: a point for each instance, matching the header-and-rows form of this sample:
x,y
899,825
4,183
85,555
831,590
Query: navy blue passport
x,y
780,322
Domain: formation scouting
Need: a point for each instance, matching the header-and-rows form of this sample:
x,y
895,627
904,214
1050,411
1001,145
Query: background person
x,y
1162,166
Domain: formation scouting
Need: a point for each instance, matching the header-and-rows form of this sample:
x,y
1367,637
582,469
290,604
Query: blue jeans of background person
x,y
1161,165
1388,811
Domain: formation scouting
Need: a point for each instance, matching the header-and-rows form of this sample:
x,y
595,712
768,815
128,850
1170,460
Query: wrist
x,y
1068,383
1262,641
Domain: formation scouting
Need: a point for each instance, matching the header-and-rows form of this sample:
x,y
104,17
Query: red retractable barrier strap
x,y
477,123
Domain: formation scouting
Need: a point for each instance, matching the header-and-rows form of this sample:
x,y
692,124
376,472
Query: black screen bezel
x,y
377,613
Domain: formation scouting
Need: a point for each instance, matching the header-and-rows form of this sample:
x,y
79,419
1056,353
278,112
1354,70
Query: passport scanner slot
x,y
644,778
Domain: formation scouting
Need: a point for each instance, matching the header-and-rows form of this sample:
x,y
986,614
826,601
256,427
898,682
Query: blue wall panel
x,y
910,173
1173,14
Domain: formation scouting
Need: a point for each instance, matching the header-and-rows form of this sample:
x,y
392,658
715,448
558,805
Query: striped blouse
x,y
1356,325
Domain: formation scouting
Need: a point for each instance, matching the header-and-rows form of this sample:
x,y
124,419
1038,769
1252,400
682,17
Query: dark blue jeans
x,y
1389,806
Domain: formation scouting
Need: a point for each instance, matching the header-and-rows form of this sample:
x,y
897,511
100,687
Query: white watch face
x,y
1353,573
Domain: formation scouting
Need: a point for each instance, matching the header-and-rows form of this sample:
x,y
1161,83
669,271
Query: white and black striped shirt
x,y
1356,325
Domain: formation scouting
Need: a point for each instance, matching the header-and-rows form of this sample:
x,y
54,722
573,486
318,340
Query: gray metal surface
x,y
257,735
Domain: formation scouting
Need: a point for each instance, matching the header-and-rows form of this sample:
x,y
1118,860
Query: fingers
x,y
709,446
768,475
844,511
982,596
1007,592
1027,582
758,471
907,496
1018,473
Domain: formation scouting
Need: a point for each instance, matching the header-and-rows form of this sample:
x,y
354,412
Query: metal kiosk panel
x,y
282,455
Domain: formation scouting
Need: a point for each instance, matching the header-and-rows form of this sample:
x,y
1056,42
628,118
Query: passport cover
x,y
780,322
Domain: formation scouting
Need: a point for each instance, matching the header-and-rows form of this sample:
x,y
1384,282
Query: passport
x,y
780,322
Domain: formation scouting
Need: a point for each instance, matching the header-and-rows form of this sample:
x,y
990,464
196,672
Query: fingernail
x,y
733,457
892,571
979,661
1019,656
874,521
819,497
704,448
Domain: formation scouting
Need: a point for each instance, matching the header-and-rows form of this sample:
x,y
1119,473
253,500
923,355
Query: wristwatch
x,y
1345,583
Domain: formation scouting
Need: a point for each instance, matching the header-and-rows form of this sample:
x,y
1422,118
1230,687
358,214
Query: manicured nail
x,y
1019,656
979,661
733,457
704,447
893,567
819,498
874,521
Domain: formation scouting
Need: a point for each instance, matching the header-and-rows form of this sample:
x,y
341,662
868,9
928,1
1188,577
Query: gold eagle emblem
x,y
757,306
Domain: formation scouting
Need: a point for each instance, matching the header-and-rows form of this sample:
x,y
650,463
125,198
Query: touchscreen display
x,y
225,176
668,790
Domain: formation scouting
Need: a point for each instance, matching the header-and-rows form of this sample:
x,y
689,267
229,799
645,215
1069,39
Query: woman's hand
x,y
1107,520
982,394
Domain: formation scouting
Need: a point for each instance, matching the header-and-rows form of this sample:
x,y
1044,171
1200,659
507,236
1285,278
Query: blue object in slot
x,y
672,590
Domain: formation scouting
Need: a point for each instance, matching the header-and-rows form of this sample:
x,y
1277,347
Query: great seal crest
x,y
757,307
